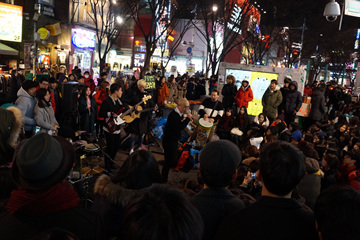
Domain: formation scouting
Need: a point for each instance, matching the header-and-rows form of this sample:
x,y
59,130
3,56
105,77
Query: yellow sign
x,y
11,22
157,52
44,33
54,29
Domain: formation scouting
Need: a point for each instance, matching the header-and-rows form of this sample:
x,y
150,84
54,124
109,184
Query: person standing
x,y
87,110
293,103
317,105
109,108
244,95
177,120
15,85
44,114
229,91
271,100
163,92
89,81
99,96
26,103
173,90
139,127
284,91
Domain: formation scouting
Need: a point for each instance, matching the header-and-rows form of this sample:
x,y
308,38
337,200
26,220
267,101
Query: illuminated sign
x,y
352,8
11,22
82,38
236,19
259,82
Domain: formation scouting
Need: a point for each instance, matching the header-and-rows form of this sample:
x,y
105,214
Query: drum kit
x,y
87,168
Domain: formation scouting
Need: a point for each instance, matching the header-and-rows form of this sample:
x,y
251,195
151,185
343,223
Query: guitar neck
x,y
132,108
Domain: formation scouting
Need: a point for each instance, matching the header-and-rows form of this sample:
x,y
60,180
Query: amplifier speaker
x,y
70,92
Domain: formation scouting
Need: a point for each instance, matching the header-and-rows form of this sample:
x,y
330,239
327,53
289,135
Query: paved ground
x,y
174,177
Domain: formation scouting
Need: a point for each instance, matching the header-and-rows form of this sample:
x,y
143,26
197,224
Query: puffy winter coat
x,y
317,105
293,99
271,102
228,92
244,96
45,118
26,104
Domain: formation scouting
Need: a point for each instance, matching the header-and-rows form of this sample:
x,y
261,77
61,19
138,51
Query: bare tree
x,y
162,19
182,27
225,28
108,18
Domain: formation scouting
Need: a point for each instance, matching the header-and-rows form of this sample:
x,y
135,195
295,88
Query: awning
x,y
6,50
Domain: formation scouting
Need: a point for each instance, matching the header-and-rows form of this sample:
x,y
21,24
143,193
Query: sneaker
x,y
131,151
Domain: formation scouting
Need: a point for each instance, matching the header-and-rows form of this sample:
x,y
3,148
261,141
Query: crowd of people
x,y
269,176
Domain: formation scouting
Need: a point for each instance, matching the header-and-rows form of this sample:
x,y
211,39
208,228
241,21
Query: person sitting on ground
x,y
218,167
349,172
162,212
329,165
43,199
337,211
140,170
281,168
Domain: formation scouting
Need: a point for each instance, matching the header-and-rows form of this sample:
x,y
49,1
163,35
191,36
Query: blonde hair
x,y
141,83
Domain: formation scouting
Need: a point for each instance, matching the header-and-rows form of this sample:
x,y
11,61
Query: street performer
x,y
139,126
212,108
177,120
110,108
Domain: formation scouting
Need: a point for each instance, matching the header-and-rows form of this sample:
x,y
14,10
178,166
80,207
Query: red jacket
x,y
99,97
308,91
244,96
90,83
163,94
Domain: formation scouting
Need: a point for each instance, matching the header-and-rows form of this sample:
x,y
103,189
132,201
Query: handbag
x,y
236,131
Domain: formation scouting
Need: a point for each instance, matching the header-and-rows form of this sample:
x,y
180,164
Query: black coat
x,y
228,91
317,105
87,120
140,125
270,218
81,222
174,125
108,107
213,205
293,99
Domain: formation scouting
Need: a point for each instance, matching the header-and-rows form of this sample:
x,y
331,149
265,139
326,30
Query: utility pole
x,y
302,42
37,12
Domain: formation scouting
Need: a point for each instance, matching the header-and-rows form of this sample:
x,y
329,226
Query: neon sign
x,y
82,38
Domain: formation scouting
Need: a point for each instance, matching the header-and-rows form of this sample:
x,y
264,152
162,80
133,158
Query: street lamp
x,y
119,19
214,8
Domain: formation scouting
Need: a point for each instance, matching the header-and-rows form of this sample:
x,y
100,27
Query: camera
x,y
332,11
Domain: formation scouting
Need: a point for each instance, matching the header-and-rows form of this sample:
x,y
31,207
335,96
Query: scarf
x,y
41,203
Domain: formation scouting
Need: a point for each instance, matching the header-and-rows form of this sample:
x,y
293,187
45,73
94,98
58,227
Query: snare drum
x,y
203,131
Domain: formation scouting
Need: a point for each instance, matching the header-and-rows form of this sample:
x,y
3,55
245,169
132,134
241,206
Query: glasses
x,y
186,106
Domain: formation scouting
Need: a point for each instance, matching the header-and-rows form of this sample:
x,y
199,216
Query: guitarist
x,y
139,127
110,108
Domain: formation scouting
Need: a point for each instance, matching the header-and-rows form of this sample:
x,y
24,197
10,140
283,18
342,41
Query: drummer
x,y
212,108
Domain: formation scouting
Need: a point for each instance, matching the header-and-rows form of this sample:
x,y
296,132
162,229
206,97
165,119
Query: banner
x,y
150,82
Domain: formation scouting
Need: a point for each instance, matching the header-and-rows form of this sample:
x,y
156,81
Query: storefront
x,y
82,48
119,60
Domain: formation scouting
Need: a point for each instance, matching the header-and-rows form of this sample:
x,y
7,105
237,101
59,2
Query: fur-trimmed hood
x,y
16,127
113,192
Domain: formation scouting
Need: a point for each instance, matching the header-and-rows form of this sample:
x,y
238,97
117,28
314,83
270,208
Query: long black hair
x,y
40,95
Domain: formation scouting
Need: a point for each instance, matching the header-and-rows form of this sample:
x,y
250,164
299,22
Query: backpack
x,y
185,160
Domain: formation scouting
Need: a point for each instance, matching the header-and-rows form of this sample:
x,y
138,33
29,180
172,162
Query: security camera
x,y
332,11
184,43
331,18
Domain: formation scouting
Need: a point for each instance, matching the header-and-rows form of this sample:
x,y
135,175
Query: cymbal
x,y
92,171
